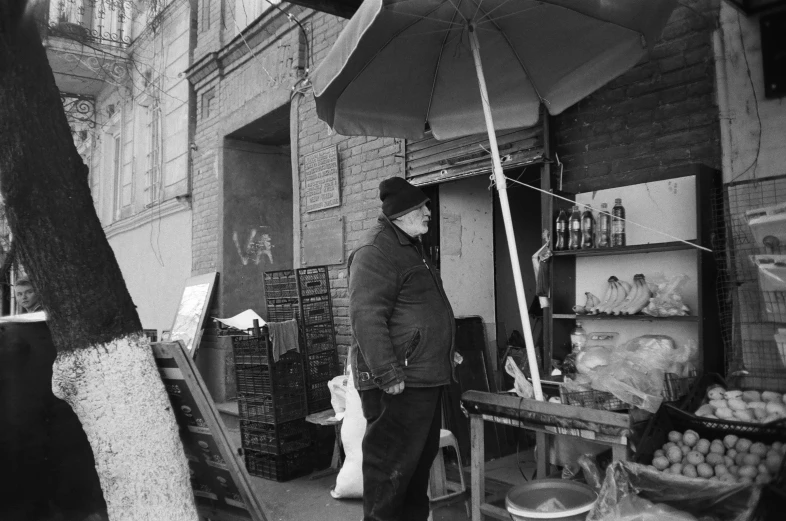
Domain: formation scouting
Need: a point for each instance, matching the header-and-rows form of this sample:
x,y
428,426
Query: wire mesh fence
x,y
751,312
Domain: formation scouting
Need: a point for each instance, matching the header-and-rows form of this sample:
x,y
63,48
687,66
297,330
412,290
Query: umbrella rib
x,y
477,10
456,7
436,72
518,58
392,38
541,2
426,17
488,13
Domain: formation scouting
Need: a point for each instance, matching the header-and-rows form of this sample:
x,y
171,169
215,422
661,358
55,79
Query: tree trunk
x,y
104,368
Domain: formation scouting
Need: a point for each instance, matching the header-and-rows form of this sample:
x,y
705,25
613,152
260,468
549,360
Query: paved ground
x,y
305,499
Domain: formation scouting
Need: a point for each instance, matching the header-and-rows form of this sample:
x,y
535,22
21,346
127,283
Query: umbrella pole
x,y
502,188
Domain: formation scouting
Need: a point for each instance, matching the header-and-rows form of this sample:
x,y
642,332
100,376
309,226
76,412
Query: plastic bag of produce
x,y
661,352
650,350
634,508
633,383
667,299
589,468
577,384
689,496
592,358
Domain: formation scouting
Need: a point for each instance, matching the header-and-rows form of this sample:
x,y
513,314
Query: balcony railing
x,y
105,22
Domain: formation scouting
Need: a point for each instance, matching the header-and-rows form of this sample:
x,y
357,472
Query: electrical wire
x,y
755,162
243,37
305,34
576,203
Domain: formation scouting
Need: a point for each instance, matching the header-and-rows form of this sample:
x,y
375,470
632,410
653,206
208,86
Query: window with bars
x,y
153,167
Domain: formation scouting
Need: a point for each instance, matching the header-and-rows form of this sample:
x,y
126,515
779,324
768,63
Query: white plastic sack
x,y
338,395
349,482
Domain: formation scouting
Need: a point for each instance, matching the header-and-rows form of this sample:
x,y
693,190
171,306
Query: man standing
x,y
26,295
401,353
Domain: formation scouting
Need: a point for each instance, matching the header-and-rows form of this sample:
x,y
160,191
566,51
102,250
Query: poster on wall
x,y
190,316
320,170
220,482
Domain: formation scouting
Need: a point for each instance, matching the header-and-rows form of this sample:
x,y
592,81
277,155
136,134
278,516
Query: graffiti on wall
x,y
257,246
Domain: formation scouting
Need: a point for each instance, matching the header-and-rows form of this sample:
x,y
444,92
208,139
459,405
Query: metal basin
x,y
576,498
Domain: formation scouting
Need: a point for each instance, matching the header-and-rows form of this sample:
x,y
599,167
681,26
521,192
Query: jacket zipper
x,y
411,348
419,248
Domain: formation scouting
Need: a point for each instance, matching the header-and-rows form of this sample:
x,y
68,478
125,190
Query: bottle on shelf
x,y
578,338
604,227
574,225
587,228
618,224
561,232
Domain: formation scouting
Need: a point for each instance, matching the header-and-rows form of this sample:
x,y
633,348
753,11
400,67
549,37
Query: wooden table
x,y
546,419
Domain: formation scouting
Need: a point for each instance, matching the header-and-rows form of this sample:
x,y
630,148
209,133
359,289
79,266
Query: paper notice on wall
x,y
243,321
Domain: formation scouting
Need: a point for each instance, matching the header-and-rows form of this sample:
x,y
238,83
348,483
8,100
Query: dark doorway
x,y
257,210
431,239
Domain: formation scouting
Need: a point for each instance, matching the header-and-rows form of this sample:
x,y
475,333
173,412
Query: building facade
x,y
238,128
119,67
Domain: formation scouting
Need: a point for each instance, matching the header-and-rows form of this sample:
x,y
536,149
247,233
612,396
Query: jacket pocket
x,y
411,347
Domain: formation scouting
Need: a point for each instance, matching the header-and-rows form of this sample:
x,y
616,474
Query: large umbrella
x,y
400,65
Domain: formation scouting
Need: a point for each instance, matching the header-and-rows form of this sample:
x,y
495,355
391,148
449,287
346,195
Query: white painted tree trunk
x,y
116,392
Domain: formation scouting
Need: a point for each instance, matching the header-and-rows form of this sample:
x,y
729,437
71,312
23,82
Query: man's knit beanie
x,y
399,197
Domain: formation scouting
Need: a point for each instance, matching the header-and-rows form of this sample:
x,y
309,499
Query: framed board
x,y
320,170
222,491
323,242
192,310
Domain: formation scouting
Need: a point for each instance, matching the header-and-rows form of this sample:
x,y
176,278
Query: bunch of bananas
x,y
621,298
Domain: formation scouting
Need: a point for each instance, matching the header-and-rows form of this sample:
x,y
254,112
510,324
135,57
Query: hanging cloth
x,y
284,336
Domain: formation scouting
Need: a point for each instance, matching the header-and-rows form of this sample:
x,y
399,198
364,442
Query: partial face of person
x,y
415,223
26,296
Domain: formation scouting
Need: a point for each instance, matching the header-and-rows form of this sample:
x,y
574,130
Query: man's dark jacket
x,y
402,322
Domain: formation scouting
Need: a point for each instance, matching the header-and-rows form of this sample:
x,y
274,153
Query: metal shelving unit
x,y
749,317
559,318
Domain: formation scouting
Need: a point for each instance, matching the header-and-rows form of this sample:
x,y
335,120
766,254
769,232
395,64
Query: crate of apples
x,y
743,406
732,459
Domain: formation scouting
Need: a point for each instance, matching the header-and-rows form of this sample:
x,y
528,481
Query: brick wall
x,y
245,86
209,22
363,163
660,114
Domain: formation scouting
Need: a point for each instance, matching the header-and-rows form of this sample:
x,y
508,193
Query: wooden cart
x,y
546,419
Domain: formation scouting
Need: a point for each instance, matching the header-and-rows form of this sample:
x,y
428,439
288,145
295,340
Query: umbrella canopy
x,y
400,64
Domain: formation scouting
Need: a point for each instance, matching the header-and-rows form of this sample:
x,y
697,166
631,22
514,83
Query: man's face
x,y
26,296
415,223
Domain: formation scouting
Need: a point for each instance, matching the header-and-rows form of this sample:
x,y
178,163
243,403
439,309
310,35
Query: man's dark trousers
x,y
400,444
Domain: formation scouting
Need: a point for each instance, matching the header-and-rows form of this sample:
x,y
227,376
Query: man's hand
x,y
395,388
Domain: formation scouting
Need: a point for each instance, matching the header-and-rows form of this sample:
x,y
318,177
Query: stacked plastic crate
x,y
316,321
305,294
321,356
281,295
271,394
